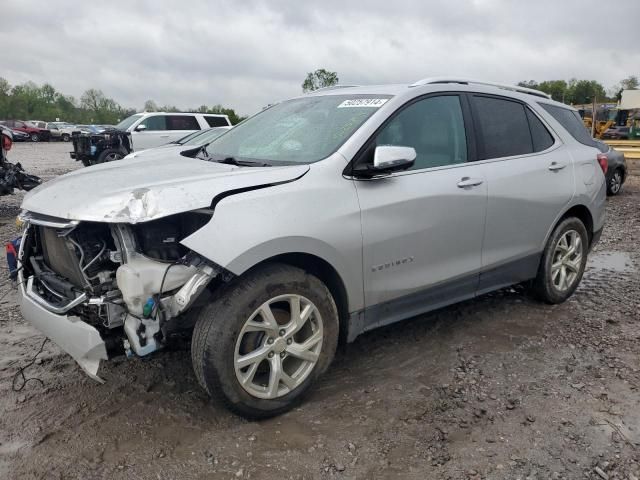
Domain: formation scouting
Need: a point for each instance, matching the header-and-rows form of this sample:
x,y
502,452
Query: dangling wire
x,y
20,373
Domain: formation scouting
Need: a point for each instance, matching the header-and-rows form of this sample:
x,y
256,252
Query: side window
x,y
434,127
541,137
182,122
504,128
571,122
156,122
217,121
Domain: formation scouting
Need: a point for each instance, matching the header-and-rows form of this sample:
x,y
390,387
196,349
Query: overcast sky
x,y
245,54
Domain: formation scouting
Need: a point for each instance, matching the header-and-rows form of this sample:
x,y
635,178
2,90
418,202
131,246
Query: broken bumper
x,y
69,332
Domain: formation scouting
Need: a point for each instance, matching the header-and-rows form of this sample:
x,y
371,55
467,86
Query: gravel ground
x,y
498,387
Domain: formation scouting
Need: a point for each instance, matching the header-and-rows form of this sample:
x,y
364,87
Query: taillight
x,y
604,162
6,143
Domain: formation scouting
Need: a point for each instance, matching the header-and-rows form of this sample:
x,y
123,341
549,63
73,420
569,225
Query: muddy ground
x,y
498,387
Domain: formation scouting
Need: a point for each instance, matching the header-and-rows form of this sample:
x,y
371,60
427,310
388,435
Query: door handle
x,y
469,182
554,167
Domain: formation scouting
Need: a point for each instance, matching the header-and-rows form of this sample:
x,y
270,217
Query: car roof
x,y
437,84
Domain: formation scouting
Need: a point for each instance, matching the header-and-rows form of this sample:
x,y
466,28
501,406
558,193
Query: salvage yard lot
x,y
497,387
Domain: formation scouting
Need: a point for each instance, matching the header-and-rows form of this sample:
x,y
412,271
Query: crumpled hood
x,y
139,190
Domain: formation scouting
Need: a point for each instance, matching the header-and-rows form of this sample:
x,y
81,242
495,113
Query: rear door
x,y
530,177
422,228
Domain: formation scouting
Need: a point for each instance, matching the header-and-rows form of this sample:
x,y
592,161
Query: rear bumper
x,y
69,332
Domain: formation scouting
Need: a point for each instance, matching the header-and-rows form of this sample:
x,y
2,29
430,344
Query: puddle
x,y
616,261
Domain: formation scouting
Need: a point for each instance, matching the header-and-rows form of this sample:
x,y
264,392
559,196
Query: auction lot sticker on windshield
x,y
363,102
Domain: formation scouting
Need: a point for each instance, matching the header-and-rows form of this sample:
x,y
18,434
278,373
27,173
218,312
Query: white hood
x,y
139,190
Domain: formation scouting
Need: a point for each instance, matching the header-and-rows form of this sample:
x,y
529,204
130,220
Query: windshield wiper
x,y
242,163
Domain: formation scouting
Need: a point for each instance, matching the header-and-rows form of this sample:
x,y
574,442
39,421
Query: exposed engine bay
x,y
132,283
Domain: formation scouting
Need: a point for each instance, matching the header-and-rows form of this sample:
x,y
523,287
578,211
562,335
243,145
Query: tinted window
x,y
157,122
571,122
217,121
434,127
182,122
541,137
504,128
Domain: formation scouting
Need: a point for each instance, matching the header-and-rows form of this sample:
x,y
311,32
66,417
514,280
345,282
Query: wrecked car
x,y
12,176
94,147
318,219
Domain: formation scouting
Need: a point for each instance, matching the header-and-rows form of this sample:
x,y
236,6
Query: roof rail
x,y
333,87
468,81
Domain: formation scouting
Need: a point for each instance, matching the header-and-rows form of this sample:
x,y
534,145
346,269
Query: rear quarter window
x,y
182,122
571,122
217,121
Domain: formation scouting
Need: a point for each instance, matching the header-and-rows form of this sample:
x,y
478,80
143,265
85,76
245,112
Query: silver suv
x,y
318,219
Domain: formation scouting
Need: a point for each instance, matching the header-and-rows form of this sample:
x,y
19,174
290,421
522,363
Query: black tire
x,y
543,286
34,137
614,184
66,137
219,325
109,155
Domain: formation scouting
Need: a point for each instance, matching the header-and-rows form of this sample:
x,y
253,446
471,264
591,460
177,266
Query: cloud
x,y
248,54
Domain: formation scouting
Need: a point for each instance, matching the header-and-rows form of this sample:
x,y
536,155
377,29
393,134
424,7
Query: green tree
x,y
321,78
556,88
150,106
583,91
529,84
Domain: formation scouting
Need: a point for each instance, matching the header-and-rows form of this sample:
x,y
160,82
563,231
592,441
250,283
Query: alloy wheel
x,y
615,183
567,260
278,346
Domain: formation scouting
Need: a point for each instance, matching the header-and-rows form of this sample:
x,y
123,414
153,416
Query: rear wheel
x,y
614,185
34,137
263,343
563,262
66,137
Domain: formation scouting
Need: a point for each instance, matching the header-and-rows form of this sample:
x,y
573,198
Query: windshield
x,y
127,122
302,130
203,137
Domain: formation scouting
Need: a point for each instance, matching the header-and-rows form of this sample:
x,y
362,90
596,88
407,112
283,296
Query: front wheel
x,y
563,262
109,155
34,137
66,137
263,343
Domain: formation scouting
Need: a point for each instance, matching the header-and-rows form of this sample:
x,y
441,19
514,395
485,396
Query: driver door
x,y
422,228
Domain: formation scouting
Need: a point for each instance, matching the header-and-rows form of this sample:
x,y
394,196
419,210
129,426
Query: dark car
x,y
35,134
616,132
616,173
19,136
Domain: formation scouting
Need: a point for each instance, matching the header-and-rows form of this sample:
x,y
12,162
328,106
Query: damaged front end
x,y
99,290
95,148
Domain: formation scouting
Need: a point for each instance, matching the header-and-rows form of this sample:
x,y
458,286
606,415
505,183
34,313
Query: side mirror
x,y
141,128
389,158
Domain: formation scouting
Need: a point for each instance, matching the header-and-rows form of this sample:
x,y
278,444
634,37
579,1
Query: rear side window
x,y
540,136
217,121
182,122
571,122
503,127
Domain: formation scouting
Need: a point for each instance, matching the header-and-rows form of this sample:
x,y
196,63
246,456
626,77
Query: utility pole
x,y
593,116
